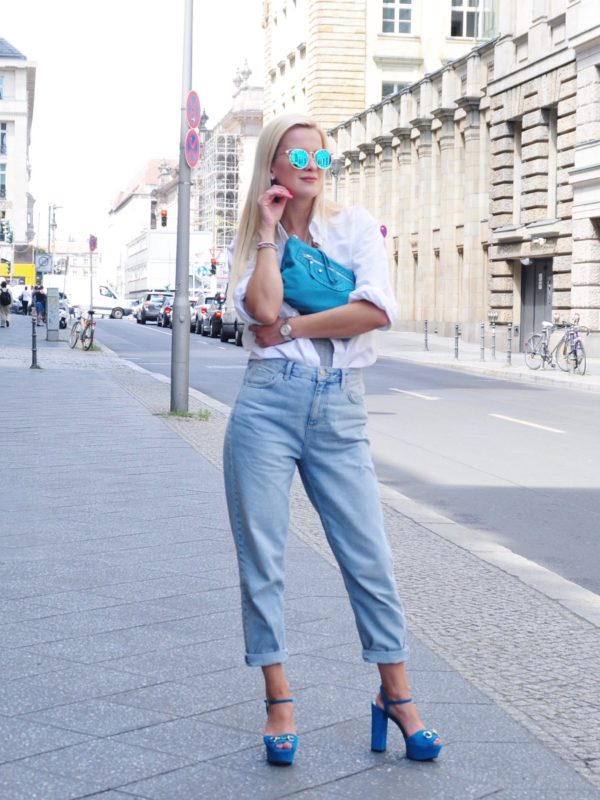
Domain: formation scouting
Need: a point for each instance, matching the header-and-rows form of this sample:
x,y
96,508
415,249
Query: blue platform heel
x,y
276,754
419,746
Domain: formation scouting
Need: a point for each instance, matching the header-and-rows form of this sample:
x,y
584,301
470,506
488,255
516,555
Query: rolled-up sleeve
x,y
371,266
239,297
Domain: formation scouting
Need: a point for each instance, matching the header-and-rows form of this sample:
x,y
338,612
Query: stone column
x,y
384,210
585,179
424,280
352,176
446,282
367,196
473,279
402,277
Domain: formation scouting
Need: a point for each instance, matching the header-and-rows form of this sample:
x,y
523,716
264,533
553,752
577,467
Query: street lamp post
x,y
180,341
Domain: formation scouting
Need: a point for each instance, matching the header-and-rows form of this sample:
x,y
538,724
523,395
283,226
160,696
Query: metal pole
x,y
34,364
509,345
482,342
456,335
91,283
494,340
426,339
180,320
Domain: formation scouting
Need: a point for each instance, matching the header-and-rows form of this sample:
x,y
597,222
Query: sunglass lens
x,y
323,159
298,158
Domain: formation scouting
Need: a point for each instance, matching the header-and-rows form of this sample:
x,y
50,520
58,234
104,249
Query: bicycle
x,y
568,353
570,356
83,330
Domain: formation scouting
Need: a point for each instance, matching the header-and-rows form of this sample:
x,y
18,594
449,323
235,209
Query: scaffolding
x,y
217,181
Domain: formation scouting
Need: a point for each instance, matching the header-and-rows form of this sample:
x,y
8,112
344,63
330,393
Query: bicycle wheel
x,y
87,337
563,354
578,360
75,334
533,355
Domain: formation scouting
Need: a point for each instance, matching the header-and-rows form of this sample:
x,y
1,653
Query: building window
x,y
1,88
391,87
397,16
3,181
465,19
2,138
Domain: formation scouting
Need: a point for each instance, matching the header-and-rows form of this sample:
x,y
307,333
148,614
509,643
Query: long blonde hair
x,y
267,145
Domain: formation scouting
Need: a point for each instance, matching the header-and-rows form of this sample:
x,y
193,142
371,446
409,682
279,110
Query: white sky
x,y
108,91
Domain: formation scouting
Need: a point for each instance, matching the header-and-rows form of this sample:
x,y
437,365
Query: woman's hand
x,y
271,206
268,335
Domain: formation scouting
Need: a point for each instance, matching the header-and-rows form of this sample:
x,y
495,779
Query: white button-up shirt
x,y
352,238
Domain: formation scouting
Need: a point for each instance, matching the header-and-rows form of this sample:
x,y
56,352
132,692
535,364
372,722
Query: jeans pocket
x,y
260,376
355,391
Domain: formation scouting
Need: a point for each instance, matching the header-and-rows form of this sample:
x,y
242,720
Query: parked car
x,y
202,306
193,309
147,310
232,327
211,320
165,311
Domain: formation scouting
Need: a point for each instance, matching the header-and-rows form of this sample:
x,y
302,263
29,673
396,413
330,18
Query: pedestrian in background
x,y
39,298
302,405
5,305
25,300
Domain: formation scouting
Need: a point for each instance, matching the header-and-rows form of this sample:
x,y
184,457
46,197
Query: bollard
x,y
426,341
509,345
482,342
494,340
456,335
34,364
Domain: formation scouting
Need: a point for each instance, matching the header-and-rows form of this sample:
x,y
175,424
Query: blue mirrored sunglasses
x,y
300,158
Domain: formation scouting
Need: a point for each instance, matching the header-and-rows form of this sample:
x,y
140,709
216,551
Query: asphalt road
x,y
516,462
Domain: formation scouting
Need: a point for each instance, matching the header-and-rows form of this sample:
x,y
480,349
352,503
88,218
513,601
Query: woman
x,y
302,405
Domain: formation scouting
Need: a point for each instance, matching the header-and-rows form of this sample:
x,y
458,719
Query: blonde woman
x,y
301,406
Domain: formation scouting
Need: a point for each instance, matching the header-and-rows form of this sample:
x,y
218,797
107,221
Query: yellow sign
x,y
23,274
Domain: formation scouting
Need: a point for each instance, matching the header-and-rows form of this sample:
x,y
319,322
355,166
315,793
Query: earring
x,y
273,180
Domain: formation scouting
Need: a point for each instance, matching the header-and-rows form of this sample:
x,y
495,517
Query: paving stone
x,y
183,662
204,780
63,686
20,738
19,783
191,736
98,717
15,664
105,764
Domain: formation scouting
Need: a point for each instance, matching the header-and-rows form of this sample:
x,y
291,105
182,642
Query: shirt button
x,y
322,372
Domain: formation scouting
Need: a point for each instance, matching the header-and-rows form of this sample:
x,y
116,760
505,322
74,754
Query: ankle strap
x,y
387,702
275,702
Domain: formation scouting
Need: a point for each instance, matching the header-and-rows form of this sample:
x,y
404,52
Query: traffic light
x,y
163,218
213,266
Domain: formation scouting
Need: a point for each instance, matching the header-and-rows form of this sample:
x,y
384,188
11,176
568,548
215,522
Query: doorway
x,y
536,296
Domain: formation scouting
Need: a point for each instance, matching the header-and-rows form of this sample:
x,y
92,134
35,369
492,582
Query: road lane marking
x,y
415,394
529,424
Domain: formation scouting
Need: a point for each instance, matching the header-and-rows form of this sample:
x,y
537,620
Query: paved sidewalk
x,y
408,345
121,649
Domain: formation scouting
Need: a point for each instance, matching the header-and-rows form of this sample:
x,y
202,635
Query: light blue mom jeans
x,y
286,416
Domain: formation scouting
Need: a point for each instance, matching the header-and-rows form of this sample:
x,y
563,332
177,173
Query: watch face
x,y
286,329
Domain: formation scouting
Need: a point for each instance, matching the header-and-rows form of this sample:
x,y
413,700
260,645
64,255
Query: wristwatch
x,y
286,331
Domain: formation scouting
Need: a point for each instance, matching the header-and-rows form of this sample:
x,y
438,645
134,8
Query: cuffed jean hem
x,y
266,659
386,657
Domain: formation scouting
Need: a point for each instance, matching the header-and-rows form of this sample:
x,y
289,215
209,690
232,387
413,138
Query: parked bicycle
x,y
568,353
83,331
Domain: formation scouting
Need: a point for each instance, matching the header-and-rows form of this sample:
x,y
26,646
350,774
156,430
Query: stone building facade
x,y
486,174
333,58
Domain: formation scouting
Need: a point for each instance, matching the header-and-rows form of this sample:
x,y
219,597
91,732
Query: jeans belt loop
x,y
287,373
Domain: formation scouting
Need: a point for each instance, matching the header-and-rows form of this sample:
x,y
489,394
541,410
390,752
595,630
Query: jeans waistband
x,y
293,369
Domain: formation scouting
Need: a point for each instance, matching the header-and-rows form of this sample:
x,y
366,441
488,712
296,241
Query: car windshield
x,y
159,298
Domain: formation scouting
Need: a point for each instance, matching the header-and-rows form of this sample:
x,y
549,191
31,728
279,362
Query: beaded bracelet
x,y
264,245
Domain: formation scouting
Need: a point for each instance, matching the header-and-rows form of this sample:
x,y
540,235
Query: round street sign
x,y
192,148
192,110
